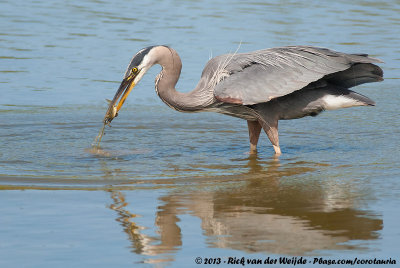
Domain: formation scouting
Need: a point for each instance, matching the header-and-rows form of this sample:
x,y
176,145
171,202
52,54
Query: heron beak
x,y
124,89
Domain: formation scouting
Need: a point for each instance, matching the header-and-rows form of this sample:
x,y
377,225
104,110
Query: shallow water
x,y
167,187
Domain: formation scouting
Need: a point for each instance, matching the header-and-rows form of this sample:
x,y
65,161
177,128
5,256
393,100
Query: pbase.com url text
x,y
292,261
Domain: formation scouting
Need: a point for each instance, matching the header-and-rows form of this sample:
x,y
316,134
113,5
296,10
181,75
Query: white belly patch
x,y
333,102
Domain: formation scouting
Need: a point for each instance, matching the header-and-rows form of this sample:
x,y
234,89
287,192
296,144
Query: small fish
x,y
111,113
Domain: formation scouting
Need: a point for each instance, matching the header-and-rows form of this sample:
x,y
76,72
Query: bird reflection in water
x,y
144,244
266,209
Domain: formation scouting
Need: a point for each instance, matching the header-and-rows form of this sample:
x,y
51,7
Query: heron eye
x,y
134,70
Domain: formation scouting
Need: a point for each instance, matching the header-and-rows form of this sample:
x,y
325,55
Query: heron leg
x,y
271,129
254,134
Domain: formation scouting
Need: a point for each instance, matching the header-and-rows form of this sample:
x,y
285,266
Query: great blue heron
x,y
261,87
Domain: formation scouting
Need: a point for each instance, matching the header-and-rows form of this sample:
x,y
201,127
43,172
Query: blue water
x,y
168,187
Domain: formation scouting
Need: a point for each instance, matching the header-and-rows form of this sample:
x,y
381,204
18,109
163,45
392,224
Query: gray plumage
x,y
263,86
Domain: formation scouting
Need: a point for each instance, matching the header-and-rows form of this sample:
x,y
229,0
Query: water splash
x,y
97,140
111,113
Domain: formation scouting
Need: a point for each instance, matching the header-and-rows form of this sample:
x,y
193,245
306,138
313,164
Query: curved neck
x,y
166,81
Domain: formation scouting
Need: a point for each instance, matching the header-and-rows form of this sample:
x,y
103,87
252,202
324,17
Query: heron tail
x,y
357,74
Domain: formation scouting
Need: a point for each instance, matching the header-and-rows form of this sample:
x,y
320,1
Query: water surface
x,y
167,187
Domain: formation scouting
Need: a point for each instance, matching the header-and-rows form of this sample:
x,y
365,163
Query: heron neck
x,y
167,79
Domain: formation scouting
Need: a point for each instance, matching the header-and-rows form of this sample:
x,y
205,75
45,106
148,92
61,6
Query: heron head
x,y
138,66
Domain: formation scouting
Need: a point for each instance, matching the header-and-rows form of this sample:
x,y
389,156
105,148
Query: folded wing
x,y
257,77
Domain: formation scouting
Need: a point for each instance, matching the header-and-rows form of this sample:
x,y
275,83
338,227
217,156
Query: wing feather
x,y
259,76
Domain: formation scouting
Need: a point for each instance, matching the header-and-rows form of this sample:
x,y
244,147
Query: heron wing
x,y
259,76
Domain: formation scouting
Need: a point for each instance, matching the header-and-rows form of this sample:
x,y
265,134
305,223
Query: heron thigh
x,y
254,133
